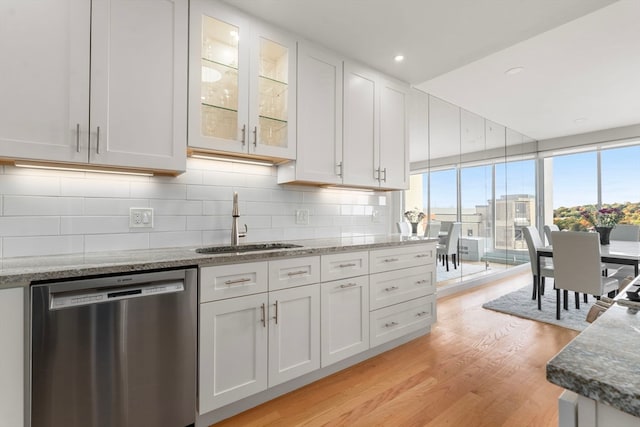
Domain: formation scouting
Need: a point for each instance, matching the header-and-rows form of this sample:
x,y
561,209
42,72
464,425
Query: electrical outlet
x,y
141,217
302,216
376,217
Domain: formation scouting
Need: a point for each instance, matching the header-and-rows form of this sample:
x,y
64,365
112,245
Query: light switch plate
x,y
140,217
302,216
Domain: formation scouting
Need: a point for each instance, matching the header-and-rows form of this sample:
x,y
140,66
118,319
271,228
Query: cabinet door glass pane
x,y
219,79
273,93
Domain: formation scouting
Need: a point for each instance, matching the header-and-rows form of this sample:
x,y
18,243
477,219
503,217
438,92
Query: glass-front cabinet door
x,y
240,98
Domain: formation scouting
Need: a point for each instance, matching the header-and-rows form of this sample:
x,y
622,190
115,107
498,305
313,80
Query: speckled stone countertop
x,y
603,362
22,271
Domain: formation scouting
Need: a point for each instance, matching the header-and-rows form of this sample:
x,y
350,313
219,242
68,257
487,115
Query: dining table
x,y
616,252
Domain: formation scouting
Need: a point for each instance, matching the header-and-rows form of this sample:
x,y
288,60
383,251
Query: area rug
x,y
519,303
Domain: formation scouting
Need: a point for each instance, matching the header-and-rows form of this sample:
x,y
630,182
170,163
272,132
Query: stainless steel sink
x,y
245,248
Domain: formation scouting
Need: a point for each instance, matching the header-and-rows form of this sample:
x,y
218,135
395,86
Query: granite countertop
x,y
21,271
602,362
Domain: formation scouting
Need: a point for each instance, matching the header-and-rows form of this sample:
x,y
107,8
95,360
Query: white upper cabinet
x,y
242,84
393,162
375,147
44,107
123,61
319,154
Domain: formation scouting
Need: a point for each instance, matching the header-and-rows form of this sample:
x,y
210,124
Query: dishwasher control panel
x,y
69,299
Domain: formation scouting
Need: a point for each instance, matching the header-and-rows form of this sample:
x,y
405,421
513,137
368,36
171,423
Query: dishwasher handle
x,y
70,299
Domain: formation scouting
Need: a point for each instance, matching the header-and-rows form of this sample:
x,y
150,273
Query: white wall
x,y
56,212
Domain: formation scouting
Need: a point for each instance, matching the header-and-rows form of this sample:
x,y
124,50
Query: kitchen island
x,y
601,366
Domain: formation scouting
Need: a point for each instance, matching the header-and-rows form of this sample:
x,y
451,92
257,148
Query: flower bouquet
x,y
603,220
414,216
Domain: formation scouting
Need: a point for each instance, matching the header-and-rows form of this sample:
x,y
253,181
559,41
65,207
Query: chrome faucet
x,y
235,234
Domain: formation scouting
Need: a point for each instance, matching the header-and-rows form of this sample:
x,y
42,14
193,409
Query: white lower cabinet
x,y
265,323
345,318
233,350
12,335
294,333
397,320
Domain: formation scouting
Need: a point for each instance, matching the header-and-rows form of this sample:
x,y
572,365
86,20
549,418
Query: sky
x,y
574,178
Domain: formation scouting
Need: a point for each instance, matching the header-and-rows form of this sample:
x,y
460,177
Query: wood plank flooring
x,y
476,368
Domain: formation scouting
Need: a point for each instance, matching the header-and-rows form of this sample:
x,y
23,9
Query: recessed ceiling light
x,y
398,58
514,70
580,120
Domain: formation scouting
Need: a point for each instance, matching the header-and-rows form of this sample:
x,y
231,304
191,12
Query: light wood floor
x,y
476,368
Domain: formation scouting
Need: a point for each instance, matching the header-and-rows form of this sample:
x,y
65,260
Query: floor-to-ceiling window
x,y
618,177
574,186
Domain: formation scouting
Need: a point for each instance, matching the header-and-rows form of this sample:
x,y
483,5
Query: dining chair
x,y
532,236
450,245
404,228
547,231
576,261
433,229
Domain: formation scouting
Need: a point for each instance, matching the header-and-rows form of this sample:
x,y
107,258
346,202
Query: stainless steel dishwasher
x,y
117,351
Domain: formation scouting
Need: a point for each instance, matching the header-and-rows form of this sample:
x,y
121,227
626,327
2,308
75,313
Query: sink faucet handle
x,y
246,230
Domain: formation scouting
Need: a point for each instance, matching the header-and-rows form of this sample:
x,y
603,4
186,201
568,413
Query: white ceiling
x,y
581,57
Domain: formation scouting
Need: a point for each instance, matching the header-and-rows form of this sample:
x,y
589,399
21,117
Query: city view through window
x,y
496,201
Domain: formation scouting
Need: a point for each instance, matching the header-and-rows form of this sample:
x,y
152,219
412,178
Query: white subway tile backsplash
x,y
28,185
41,206
94,224
116,242
175,238
42,245
29,226
104,206
52,212
82,187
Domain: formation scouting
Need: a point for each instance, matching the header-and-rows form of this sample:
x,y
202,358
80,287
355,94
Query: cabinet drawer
x,y
287,273
233,280
343,265
393,287
401,319
404,257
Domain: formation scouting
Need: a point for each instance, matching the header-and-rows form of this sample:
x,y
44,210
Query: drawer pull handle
x,y
233,282
392,288
390,324
420,282
264,316
422,255
296,273
422,313
348,285
351,264
391,260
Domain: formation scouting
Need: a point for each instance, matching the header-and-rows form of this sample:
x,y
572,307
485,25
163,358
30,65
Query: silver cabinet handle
x,y
392,288
264,316
376,174
98,141
384,171
233,282
77,137
422,255
422,313
255,136
351,264
296,273
390,324
276,316
348,285
244,134
421,282
390,260
339,166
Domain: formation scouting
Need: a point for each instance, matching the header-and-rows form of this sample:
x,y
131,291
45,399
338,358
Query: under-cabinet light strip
x,y
231,159
77,169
